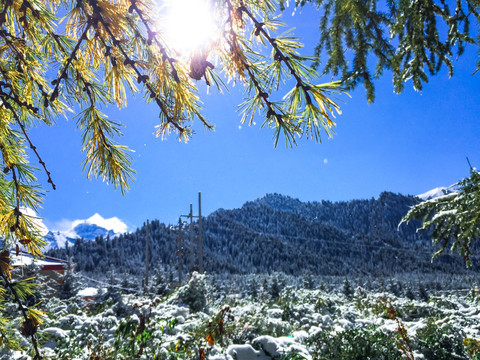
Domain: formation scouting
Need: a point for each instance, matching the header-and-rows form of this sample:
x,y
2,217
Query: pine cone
x,y
28,328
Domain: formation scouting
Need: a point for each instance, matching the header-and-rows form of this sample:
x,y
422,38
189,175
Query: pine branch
x,y
73,55
29,328
24,131
260,92
152,36
279,56
141,78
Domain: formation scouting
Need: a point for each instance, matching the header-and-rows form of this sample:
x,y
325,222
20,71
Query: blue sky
x,y
407,143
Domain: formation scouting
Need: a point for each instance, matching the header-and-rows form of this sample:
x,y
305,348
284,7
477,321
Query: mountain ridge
x,y
279,233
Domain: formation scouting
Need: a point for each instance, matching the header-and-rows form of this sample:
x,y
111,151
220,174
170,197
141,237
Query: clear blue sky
x,y
407,143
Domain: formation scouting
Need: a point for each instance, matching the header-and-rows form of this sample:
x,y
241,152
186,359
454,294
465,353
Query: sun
x,y
189,25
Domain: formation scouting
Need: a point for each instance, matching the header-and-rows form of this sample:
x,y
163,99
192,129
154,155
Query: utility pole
x,y
191,260
180,249
200,240
147,241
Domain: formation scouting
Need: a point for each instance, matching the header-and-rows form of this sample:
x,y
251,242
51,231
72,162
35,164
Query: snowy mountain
x,y
434,193
88,229
279,233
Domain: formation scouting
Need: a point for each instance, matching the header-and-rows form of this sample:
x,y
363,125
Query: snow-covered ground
x,y
204,321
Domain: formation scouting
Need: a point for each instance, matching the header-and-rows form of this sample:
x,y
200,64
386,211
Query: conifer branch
x,y
3,14
271,112
25,133
153,36
279,56
73,55
29,328
34,149
12,96
19,56
260,92
17,211
141,78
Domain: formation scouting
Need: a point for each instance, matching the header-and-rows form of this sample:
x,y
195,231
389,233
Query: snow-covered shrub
x,y
353,343
437,342
280,348
324,305
372,305
221,329
263,324
347,288
132,337
69,285
193,294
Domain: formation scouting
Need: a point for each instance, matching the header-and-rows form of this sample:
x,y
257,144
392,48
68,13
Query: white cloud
x,y
325,161
65,227
61,239
113,223
36,220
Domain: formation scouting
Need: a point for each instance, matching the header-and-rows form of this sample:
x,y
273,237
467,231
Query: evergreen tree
x,y
308,281
275,287
253,288
409,293
347,288
68,286
422,292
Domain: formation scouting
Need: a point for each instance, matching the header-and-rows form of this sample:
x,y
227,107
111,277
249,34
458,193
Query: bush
x,y
193,294
440,343
354,344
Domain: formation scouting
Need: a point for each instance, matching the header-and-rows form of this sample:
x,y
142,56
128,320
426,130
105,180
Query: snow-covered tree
x,y
452,219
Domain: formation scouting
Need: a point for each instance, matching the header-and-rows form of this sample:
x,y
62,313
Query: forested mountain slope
x,y
279,233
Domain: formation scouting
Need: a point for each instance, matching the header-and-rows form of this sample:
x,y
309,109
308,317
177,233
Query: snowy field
x,y
205,319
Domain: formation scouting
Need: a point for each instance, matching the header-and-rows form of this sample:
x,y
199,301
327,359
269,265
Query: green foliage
x,y
324,304
371,305
412,39
160,328
472,347
354,343
453,218
193,294
131,337
221,329
440,342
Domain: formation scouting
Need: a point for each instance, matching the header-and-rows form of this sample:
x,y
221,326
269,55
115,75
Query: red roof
x,y
46,263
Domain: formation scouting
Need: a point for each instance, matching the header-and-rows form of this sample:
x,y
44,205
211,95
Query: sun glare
x,y
188,24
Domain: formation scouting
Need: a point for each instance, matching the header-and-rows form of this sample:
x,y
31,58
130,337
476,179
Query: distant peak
x,y
88,229
434,193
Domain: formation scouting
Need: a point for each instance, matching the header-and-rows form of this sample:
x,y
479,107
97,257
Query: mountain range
x,y
278,233
96,225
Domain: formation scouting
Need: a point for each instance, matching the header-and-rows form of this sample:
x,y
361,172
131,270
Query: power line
x,y
136,291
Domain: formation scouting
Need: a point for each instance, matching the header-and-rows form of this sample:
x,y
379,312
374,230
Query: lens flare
x,y
189,25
